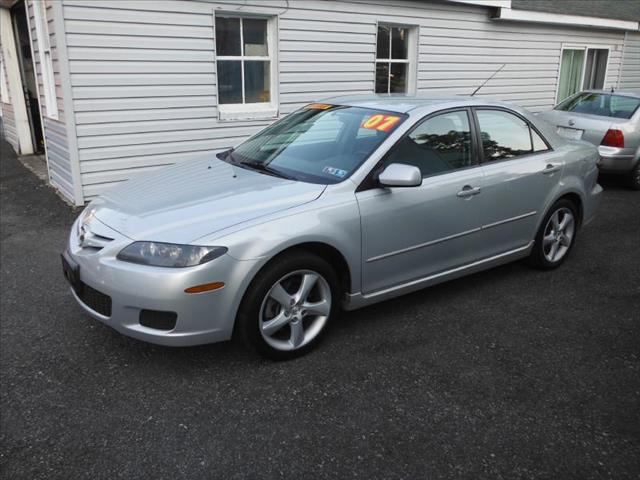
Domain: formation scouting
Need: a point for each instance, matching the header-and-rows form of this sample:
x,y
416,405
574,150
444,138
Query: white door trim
x,y
14,81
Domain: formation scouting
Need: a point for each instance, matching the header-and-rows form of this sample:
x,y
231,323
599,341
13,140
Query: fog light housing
x,y
158,320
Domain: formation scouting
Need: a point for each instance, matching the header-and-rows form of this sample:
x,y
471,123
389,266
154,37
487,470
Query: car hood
x,y
189,200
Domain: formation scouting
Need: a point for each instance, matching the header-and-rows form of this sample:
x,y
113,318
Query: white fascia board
x,y
562,19
486,3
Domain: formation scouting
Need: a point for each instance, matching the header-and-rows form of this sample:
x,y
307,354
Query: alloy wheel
x,y
558,234
295,310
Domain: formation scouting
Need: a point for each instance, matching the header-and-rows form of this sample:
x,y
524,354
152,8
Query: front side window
x,y
439,144
319,143
603,105
392,59
505,135
243,60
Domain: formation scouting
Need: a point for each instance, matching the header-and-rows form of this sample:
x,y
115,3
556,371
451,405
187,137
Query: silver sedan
x,y
609,120
339,205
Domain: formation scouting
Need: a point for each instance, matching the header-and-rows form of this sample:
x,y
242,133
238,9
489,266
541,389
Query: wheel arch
x,y
576,199
328,252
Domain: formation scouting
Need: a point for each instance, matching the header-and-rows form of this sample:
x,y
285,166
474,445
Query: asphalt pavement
x,y
511,373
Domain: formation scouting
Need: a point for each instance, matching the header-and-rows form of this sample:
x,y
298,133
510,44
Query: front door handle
x,y
468,191
550,168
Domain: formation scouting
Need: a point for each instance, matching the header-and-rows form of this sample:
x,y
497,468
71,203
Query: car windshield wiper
x,y
267,169
252,165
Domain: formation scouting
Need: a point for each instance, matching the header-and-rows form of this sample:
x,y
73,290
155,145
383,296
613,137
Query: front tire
x,y
289,305
556,236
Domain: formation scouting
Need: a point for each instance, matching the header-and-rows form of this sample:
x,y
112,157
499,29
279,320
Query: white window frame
x,y
258,110
4,92
585,48
411,60
46,62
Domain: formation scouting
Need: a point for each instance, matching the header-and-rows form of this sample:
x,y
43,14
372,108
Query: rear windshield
x,y
601,104
319,143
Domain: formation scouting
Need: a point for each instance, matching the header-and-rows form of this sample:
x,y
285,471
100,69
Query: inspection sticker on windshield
x,y
381,122
336,172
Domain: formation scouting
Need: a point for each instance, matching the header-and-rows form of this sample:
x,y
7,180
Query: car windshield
x,y
601,104
319,143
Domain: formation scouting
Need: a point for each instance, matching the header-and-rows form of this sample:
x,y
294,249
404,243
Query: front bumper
x,y
201,318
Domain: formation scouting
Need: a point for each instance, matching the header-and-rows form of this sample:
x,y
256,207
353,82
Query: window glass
x,y
256,78
538,143
382,78
623,107
595,68
439,144
604,105
399,42
588,102
392,59
254,34
229,81
571,68
382,50
398,78
503,135
227,36
319,143
242,59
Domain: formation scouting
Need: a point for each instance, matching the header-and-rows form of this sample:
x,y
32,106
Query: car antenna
x,y
484,83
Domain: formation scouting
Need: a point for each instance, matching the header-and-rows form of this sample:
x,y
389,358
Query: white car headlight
x,y
160,254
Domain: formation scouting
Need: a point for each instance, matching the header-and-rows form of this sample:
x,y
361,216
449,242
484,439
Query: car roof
x,y
405,103
625,92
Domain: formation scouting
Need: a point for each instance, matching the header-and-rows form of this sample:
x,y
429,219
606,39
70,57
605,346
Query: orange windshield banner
x,y
381,122
319,106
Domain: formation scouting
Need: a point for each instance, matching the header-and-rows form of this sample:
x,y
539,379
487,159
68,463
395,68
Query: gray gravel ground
x,y
511,373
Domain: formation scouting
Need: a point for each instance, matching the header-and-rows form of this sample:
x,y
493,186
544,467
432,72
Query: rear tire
x,y
634,178
287,308
556,236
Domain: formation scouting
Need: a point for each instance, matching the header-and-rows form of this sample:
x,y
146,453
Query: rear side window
x,y
601,104
439,144
505,135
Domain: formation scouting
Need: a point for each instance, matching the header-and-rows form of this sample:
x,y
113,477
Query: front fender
x,y
331,221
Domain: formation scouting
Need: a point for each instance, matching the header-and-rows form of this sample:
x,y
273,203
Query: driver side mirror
x,y
400,175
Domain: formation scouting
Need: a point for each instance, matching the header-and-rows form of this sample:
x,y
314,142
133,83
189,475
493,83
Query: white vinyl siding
x,y
9,126
51,98
144,83
44,56
630,73
4,91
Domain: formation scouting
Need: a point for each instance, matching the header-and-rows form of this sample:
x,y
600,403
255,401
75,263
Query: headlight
x,y
160,254
86,216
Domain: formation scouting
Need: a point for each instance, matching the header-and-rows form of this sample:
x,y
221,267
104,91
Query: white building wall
x,y
55,130
16,122
630,71
8,118
143,73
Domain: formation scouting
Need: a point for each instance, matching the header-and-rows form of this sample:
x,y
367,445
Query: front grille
x,y
91,241
95,300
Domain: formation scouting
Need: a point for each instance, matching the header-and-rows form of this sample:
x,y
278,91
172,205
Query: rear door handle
x,y
468,191
551,169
